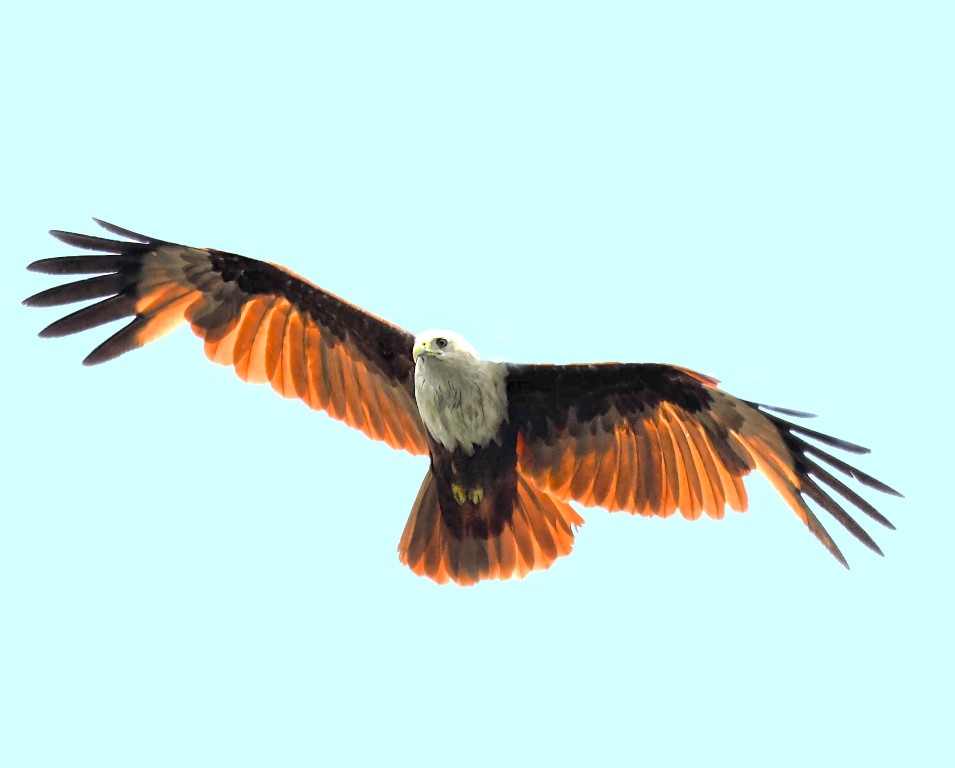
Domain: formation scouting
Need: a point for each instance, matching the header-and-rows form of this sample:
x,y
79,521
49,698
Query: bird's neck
x,y
463,403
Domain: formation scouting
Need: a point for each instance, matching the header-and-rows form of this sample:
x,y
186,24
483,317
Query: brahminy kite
x,y
510,445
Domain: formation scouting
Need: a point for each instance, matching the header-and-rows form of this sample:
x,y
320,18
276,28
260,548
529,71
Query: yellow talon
x,y
462,495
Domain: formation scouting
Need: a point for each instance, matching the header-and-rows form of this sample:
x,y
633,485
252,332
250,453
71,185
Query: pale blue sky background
x,y
195,572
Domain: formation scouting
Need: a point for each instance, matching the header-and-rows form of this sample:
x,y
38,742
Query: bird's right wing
x,y
650,439
267,322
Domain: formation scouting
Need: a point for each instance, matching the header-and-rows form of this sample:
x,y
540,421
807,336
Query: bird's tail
x,y
540,530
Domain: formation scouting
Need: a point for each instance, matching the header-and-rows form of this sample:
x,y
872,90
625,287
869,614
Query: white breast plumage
x,y
462,403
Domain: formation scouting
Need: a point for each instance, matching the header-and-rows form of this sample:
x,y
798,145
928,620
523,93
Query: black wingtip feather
x,y
835,442
846,520
811,473
811,468
848,469
123,341
100,313
98,359
51,266
837,553
112,228
88,242
97,263
81,290
787,411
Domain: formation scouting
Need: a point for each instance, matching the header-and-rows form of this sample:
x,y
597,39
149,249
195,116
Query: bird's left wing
x,y
267,322
651,439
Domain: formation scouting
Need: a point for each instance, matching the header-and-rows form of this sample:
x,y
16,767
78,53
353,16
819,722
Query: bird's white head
x,y
442,344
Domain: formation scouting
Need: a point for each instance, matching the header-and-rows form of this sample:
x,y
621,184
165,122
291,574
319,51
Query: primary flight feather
x,y
510,445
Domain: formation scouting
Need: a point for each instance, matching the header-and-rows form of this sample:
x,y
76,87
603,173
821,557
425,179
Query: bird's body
x,y
510,445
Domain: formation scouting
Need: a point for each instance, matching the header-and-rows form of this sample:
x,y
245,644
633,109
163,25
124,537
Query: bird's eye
x,y
441,343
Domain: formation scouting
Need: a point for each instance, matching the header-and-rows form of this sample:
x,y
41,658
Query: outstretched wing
x,y
267,322
651,439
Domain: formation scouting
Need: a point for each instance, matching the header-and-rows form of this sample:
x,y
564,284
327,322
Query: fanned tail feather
x,y
540,530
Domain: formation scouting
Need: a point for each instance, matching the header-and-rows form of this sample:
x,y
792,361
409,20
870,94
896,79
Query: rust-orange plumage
x,y
511,446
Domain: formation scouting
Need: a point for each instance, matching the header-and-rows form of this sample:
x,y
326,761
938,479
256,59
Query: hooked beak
x,y
418,350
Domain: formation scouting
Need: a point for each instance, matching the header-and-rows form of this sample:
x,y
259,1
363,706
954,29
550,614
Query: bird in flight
x,y
510,445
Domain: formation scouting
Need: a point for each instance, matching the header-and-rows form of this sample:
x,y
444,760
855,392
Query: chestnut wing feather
x,y
264,320
651,439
